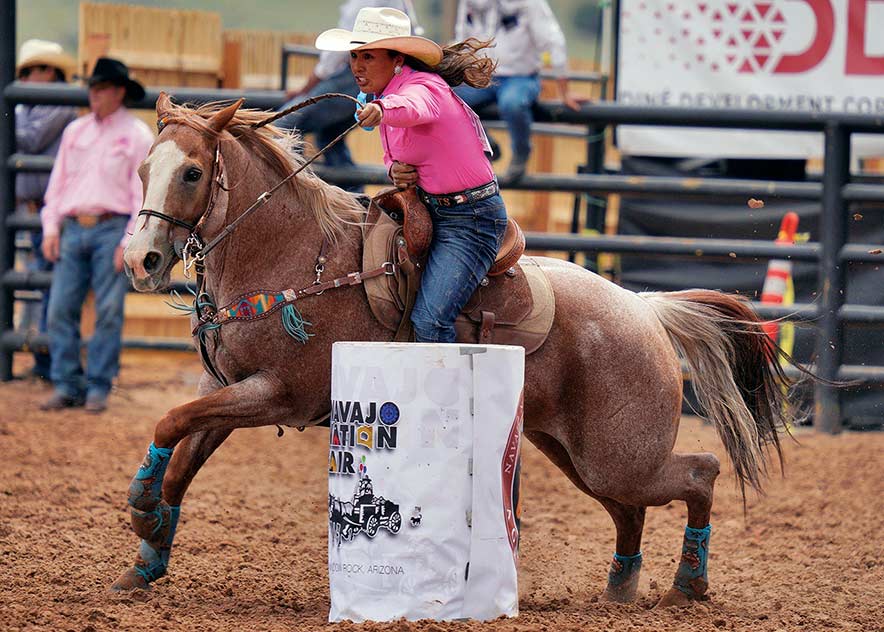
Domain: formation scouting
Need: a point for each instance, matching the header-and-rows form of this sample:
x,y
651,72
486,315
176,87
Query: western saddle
x,y
514,304
405,206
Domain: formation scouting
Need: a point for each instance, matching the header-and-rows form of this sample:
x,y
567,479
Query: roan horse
x,y
603,394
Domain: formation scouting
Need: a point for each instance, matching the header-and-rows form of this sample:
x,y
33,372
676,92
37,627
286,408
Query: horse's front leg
x,y
157,529
259,400
200,427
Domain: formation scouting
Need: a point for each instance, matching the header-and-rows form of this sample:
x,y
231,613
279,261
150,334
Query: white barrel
x,y
424,481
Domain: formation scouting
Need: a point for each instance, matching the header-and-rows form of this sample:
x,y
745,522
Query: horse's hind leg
x,y
691,478
156,527
629,521
698,473
626,565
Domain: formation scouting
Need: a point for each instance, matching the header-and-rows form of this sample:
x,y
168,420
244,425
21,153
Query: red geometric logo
x,y
750,36
738,36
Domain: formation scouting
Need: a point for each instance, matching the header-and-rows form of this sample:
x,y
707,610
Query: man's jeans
x,y
87,260
514,96
327,119
466,239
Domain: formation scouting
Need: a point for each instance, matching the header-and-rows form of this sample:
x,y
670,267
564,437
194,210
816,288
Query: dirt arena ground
x,y
251,547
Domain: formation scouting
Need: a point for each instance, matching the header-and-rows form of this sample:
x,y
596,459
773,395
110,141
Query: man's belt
x,y
462,197
90,221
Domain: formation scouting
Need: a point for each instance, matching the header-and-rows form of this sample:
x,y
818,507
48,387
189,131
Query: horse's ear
x,y
221,118
164,105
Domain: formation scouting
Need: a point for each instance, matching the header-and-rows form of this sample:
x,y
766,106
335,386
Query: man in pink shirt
x,y
92,200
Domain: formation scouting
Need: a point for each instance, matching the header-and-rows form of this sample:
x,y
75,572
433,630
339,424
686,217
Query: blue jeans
x,y
466,239
327,119
87,260
514,96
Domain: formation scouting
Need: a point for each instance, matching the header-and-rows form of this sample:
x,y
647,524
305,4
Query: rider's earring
x,y
397,69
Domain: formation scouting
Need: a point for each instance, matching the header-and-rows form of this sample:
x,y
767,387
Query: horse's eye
x,y
192,175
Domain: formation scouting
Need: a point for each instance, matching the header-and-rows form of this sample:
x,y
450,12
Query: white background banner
x,y
782,55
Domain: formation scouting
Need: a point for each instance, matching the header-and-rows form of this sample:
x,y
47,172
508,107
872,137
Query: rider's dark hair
x,y
460,64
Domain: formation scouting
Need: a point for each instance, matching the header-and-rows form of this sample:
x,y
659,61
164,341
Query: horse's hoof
x,y
130,580
674,598
626,592
623,594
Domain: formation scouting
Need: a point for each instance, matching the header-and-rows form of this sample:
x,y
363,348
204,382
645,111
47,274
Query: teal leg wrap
x,y
146,488
623,567
690,578
153,556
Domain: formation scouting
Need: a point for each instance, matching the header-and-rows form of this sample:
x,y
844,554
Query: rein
x,y
260,304
195,251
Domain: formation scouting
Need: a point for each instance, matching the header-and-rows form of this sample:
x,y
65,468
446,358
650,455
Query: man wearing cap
x,y
92,201
524,31
332,74
38,131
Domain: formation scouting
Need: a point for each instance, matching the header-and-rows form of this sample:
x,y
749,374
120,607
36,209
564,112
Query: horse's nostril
x,y
152,261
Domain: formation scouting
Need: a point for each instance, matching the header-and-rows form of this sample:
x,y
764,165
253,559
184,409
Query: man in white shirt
x,y
524,30
332,74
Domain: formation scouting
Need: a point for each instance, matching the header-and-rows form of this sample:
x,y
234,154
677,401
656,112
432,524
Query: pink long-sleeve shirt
x,y
426,125
96,170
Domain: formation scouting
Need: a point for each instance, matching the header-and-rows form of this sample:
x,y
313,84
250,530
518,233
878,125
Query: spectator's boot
x,y
96,403
60,401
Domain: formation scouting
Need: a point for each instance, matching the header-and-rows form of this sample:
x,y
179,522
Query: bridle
x,y
195,249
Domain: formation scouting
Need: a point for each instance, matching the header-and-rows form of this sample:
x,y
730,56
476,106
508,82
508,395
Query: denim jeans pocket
x,y
461,211
492,207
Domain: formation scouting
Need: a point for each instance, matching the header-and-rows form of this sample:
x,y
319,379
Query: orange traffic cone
x,y
779,272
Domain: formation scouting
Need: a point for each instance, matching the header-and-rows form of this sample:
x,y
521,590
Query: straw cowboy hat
x,y
37,52
381,28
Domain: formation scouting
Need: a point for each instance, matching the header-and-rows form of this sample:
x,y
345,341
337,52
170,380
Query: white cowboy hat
x,y
36,52
381,28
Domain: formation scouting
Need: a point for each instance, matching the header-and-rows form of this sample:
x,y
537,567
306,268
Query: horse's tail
x,y
735,373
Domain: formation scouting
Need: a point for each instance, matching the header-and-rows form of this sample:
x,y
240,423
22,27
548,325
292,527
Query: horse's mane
x,y
332,207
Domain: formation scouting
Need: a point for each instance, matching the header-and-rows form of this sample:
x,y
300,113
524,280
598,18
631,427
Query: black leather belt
x,y
476,194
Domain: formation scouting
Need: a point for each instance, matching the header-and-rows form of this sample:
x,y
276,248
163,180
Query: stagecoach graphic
x,y
366,514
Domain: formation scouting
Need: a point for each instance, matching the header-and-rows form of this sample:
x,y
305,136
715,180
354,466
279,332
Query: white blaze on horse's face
x,y
149,250
163,163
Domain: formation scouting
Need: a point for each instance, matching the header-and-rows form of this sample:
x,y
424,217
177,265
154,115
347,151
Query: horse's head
x,y
178,177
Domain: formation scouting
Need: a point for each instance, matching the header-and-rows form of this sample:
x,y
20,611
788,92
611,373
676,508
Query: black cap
x,y
116,72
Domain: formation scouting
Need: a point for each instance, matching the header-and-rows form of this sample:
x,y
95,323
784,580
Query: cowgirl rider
x,y
432,140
